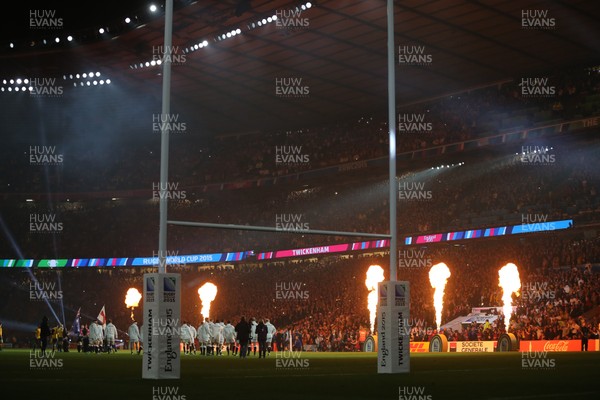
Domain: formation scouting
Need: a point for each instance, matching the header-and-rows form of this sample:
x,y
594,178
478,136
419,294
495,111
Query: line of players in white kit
x,y
215,337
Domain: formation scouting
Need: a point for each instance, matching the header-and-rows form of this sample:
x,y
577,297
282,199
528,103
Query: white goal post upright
x,y
393,341
392,127
164,138
162,290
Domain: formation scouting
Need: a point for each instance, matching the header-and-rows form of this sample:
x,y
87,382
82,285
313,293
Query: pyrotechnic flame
x,y
207,294
132,298
438,277
510,282
374,276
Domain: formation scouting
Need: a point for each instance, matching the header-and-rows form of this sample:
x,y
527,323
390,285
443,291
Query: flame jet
x,y
510,282
207,293
132,299
438,277
374,276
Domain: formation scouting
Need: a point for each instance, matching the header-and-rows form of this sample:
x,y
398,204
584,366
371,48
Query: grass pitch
x,y
433,376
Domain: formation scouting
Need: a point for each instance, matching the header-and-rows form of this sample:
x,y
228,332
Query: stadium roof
x,y
339,54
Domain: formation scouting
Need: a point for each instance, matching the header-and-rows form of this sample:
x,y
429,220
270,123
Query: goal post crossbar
x,y
278,230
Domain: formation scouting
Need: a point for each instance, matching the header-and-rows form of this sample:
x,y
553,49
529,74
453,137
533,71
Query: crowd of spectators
x,y
322,302
497,191
129,164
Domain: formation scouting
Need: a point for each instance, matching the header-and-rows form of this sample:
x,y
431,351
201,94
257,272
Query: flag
x,y
102,317
76,328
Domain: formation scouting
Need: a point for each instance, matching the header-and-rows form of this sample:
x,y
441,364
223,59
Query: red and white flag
x,y
102,317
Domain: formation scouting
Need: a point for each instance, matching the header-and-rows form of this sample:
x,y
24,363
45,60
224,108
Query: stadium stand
x,y
110,213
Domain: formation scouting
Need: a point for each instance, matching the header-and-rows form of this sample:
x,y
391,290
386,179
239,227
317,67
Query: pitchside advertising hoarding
x,y
524,346
557,345
492,346
474,347
160,330
393,341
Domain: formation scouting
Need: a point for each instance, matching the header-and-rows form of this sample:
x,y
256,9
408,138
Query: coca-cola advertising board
x,y
556,345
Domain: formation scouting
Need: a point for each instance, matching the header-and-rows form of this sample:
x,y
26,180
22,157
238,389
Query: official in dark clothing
x,y
45,332
243,336
279,341
261,333
585,336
